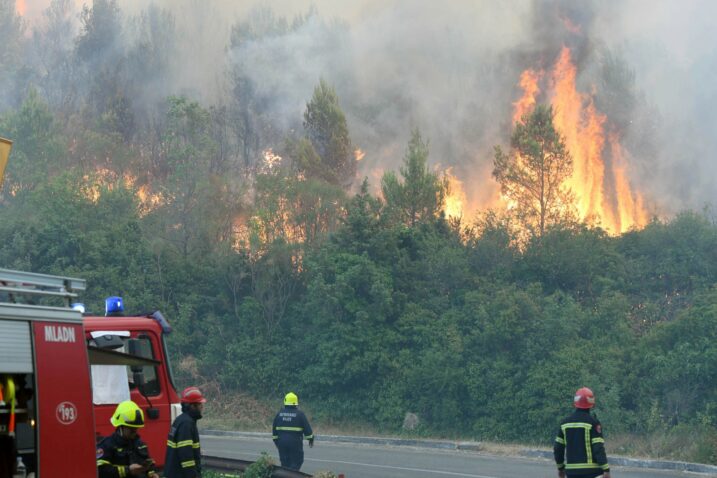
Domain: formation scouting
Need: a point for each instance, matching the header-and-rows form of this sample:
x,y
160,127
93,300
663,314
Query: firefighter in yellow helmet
x,y
289,430
124,454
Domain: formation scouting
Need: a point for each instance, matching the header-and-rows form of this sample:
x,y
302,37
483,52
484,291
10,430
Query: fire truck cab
x,y
148,384
62,375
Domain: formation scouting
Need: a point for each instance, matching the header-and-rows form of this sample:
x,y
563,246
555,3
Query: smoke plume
x,y
452,69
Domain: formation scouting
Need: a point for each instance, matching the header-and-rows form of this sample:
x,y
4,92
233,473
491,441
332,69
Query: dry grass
x,y
679,444
227,410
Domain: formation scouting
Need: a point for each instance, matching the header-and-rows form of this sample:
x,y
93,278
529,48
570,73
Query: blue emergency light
x,y
166,328
113,305
78,306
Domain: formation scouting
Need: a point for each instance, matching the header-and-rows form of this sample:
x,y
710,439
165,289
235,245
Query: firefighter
x,y
289,430
124,454
183,459
579,447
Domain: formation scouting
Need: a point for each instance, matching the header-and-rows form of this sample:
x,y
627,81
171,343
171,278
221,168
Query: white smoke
x,y
451,69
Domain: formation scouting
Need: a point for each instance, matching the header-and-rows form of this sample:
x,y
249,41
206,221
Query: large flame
x,y
602,194
456,201
21,7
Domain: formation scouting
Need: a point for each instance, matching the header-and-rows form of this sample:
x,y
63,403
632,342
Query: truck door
x,y
66,422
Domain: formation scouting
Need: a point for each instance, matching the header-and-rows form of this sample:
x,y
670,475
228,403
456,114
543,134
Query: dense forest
x,y
280,267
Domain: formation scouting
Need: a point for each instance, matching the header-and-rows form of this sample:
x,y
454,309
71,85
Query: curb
x,y
638,462
476,447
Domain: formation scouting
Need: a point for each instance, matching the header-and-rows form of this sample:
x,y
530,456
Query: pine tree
x,y
533,174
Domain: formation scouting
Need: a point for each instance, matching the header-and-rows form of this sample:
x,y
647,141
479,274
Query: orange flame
x,y
529,82
92,185
271,160
631,211
603,193
21,7
358,154
456,200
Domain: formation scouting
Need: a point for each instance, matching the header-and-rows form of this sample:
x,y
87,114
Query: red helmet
x,y
192,395
584,398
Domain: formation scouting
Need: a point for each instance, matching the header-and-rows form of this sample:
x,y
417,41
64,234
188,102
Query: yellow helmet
x,y
7,390
128,414
291,399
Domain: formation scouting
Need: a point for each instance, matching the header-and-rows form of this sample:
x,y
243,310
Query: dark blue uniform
x,y
184,459
289,430
115,453
579,446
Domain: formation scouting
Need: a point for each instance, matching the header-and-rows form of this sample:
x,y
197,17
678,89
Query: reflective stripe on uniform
x,y
560,440
291,429
180,444
588,449
103,462
187,464
576,425
598,440
573,466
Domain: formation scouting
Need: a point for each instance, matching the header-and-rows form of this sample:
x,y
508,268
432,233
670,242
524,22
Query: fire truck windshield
x,y
114,383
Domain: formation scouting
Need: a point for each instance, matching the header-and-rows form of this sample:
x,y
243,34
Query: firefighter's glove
x,y
311,443
136,469
561,473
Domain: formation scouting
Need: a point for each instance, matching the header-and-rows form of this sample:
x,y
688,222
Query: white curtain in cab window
x,y
109,382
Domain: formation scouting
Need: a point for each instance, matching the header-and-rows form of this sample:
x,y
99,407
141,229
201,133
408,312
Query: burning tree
x,y
533,174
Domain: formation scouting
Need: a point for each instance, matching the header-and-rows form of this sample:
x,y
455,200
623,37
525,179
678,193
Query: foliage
x,y
326,129
421,194
41,150
261,468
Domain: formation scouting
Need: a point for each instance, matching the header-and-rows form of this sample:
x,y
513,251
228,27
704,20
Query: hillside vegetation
x,y
283,270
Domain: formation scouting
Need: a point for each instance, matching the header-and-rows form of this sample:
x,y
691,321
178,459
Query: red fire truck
x,y
63,372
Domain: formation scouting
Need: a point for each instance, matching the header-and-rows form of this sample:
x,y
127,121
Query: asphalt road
x,y
370,461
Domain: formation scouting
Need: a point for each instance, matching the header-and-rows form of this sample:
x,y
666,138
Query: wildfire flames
x,y
529,83
456,197
602,189
21,7
93,184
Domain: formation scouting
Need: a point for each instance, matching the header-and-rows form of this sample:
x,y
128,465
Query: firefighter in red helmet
x,y
183,459
579,447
